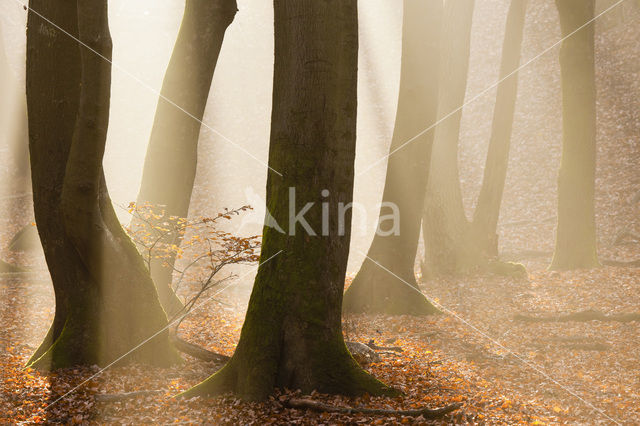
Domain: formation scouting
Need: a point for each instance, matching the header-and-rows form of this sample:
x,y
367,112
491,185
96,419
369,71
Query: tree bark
x,y
375,289
487,212
170,164
576,231
292,332
445,225
105,300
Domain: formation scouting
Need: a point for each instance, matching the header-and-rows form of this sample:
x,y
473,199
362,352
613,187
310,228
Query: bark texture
x,y
576,231
170,164
375,289
292,333
105,300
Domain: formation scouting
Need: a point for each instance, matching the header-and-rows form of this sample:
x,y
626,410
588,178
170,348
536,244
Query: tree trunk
x,y
105,300
487,212
13,125
170,164
445,225
292,332
375,289
576,231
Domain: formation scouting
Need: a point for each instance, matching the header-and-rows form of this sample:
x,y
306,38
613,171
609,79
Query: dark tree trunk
x,y
105,300
375,289
487,213
576,231
170,165
292,332
445,225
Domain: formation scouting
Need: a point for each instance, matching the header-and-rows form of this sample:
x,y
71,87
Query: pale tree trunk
x,y
445,224
487,212
576,231
375,289
13,125
106,303
292,336
170,164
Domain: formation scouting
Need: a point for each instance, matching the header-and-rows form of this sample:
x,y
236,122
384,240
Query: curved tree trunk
x,y
452,243
375,289
105,300
487,212
292,332
170,164
576,231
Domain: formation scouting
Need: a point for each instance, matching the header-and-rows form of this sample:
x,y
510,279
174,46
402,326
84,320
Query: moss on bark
x,y
292,334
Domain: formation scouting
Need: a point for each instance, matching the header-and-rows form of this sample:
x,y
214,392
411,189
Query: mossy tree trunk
x,y
105,300
292,332
170,164
487,212
445,224
576,231
375,289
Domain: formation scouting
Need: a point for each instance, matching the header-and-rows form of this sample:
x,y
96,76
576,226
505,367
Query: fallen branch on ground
x,y
427,413
375,347
577,345
623,237
622,264
195,350
582,316
117,397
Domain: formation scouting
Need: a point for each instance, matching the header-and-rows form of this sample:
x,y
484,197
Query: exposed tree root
x,y
362,353
582,316
196,351
118,397
427,413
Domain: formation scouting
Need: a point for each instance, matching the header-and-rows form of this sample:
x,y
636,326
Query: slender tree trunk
x,y
13,124
487,212
170,165
292,332
375,289
105,300
576,232
445,225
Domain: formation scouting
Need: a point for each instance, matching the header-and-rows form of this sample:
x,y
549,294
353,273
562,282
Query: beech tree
x,y
453,243
375,289
292,336
106,303
576,231
171,161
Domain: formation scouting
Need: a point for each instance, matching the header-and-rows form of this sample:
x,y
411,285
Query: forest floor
x,y
501,369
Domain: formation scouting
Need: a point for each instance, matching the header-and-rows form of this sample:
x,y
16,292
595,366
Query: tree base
x,y
376,291
251,382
